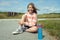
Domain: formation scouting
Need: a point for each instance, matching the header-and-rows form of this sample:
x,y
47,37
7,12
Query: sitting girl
x,y
29,20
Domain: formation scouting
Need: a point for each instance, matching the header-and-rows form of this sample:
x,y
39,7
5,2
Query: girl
x,y
29,20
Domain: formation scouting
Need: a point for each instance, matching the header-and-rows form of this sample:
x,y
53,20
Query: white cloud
x,y
4,3
50,9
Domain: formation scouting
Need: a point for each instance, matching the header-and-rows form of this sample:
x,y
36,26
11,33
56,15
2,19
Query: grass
x,y
4,15
49,16
53,27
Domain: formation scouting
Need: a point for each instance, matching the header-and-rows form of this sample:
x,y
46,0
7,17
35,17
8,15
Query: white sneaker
x,y
14,33
17,32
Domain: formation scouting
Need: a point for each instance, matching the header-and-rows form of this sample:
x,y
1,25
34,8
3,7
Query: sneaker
x,y
14,33
17,32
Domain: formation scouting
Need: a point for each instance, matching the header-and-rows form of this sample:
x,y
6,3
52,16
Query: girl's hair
x,y
34,8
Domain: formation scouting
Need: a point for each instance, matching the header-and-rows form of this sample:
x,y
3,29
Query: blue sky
x,y
45,6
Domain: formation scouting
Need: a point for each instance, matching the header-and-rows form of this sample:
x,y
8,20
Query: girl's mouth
x,y
30,10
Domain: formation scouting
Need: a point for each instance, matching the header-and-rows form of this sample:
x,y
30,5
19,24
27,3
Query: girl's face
x,y
30,9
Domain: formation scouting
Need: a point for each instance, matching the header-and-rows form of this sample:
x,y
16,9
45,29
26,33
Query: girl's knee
x,y
34,29
20,22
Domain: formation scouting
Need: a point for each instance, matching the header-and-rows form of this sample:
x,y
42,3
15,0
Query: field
x,y
50,15
52,26
4,15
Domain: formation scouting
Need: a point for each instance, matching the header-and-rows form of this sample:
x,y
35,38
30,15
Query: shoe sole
x,y
16,33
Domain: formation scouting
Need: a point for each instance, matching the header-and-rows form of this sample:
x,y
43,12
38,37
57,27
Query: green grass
x,y
52,26
4,15
49,16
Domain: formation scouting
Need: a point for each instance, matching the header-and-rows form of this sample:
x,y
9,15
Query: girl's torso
x,y
30,18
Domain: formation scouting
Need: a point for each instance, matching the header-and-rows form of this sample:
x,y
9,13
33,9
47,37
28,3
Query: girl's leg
x,y
19,29
21,22
20,25
32,29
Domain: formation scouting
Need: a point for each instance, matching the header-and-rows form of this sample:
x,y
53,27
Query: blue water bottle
x,y
40,36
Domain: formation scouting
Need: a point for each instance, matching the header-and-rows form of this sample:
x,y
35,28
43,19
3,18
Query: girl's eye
x,y
30,7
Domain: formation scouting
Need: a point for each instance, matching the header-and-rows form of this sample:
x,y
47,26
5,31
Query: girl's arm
x,y
23,19
34,19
